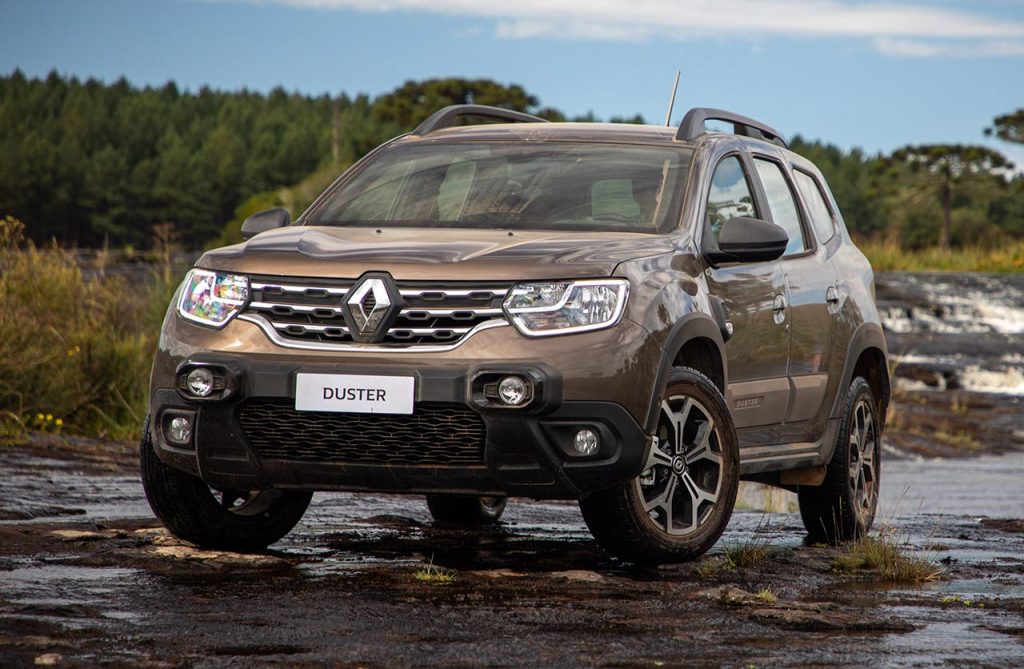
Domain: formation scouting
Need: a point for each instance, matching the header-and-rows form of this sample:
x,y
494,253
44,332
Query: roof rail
x,y
448,116
693,125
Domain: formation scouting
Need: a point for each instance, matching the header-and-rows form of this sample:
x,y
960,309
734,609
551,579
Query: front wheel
x,y
238,520
679,505
843,506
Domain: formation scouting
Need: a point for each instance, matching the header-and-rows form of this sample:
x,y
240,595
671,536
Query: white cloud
x,y
903,29
577,30
911,48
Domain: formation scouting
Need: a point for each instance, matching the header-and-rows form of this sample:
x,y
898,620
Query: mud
x,y
88,578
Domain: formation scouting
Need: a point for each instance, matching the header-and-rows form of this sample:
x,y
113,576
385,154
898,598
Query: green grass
x,y
960,600
885,558
891,257
752,552
434,574
75,352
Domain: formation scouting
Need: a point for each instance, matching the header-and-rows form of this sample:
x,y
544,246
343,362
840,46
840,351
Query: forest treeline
x,y
91,163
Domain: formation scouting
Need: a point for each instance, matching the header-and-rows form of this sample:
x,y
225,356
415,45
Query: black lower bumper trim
x,y
479,451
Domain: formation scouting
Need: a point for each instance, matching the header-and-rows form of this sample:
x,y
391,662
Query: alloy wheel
x,y
682,478
863,472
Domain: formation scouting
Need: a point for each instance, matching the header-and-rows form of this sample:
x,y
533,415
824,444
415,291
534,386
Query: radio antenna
x,y
672,101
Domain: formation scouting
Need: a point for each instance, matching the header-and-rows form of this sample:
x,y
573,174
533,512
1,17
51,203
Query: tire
x,y
678,507
466,509
843,507
226,520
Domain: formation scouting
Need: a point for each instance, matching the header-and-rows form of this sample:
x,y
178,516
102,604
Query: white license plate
x,y
354,393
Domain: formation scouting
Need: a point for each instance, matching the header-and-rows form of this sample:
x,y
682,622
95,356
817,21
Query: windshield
x,y
523,185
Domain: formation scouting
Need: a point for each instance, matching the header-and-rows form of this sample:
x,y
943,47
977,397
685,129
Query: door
x,y
810,283
753,295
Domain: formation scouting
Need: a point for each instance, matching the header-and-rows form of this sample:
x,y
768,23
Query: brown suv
x,y
634,317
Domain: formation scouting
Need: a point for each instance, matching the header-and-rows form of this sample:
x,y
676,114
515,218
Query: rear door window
x,y
821,215
785,213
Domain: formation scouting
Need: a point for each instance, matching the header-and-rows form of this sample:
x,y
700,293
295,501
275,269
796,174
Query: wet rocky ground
x,y
956,345
88,578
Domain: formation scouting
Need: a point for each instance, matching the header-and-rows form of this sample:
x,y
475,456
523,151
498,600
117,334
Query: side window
x,y
821,215
781,202
730,195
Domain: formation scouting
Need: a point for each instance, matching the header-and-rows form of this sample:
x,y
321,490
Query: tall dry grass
x,y
888,256
75,351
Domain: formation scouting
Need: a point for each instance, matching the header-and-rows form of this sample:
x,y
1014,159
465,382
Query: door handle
x,y
832,298
779,309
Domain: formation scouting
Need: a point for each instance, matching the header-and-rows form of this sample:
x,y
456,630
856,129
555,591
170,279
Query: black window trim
x,y
821,192
758,199
809,249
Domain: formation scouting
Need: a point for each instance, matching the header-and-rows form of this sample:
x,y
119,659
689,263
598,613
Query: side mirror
x,y
746,239
271,219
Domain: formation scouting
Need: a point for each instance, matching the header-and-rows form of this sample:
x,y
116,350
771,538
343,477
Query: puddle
x,y
963,642
990,486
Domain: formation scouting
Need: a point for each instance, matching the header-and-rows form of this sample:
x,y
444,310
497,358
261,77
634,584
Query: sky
x,y
875,75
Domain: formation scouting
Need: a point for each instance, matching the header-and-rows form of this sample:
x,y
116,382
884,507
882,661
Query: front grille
x,y
432,313
436,434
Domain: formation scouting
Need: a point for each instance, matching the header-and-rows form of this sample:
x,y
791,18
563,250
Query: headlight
x,y
543,309
212,298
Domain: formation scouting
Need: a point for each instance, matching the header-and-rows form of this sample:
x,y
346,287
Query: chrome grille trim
x,y
477,311
292,288
305,313
310,328
430,331
298,344
454,292
300,308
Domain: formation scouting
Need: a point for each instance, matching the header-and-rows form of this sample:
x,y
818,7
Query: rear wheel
x,y
843,506
466,509
239,520
682,501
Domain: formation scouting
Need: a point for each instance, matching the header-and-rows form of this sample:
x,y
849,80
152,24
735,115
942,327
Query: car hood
x,y
434,254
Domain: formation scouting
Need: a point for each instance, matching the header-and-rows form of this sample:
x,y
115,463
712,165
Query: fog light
x,y
513,391
586,442
200,382
180,430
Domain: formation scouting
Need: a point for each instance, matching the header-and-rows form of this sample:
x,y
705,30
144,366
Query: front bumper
x,y
522,452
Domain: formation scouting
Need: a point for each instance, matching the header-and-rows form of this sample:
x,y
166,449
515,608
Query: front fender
x,y
689,327
675,308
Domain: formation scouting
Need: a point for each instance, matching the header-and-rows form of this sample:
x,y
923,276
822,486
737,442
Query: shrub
x,y
73,346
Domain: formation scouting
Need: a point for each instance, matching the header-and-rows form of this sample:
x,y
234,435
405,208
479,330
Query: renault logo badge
x,y
370,307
